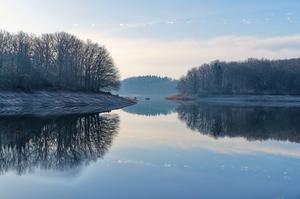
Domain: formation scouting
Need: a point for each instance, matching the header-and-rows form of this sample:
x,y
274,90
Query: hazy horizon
x,y
166,38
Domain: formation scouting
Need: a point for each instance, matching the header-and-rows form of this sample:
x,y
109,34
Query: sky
x,y
166,37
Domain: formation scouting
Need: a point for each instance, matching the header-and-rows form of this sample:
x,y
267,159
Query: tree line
x,y
252,76
55,61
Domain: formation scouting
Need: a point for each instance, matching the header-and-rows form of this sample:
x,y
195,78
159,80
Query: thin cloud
x,y
137,25
289,19
175,57
171,22
225,22
147,24
247,22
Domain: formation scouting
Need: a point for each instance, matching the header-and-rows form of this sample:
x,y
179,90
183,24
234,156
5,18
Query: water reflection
x,y
54,143
154,157
152,107
252,123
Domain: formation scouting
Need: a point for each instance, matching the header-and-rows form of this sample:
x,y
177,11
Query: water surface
x,y
156,149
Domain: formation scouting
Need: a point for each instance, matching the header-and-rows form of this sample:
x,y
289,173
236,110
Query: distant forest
x,y
249,77
55,61
149,85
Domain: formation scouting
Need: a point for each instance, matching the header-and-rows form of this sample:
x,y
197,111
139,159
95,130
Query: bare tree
x,y
58,61
252,76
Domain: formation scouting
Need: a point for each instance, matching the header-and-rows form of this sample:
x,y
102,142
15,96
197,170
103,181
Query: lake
x,y
155,149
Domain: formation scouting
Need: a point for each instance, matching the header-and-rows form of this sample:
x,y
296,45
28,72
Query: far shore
x,y
52,103
242,100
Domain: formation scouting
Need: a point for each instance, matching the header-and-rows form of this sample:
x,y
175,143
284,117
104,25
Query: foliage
x,y
249,77
54,61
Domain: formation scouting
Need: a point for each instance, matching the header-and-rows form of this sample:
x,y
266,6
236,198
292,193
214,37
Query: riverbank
x,y
243,100
51,103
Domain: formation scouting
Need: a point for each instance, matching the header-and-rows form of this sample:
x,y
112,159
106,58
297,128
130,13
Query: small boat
x,y
147,98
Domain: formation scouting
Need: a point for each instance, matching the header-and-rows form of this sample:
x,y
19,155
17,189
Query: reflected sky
x,y
154,107
161,157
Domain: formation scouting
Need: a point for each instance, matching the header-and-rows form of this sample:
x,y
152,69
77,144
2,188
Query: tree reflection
x,y
252,123
54,143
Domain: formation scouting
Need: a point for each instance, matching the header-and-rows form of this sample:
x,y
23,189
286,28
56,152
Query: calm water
x,y
155,149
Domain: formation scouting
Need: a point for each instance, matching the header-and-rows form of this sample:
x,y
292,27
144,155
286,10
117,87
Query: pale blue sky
x,y
166,37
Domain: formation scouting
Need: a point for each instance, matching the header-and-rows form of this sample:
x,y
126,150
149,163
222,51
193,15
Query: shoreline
x,y
242,100
56,103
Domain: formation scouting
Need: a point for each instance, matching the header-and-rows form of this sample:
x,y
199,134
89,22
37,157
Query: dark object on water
x,y
147,98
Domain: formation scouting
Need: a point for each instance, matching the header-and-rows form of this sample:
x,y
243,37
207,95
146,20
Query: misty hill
x,y
149,85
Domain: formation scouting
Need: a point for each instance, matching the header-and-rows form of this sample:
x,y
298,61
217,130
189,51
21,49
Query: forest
x,y
253,76
58,61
